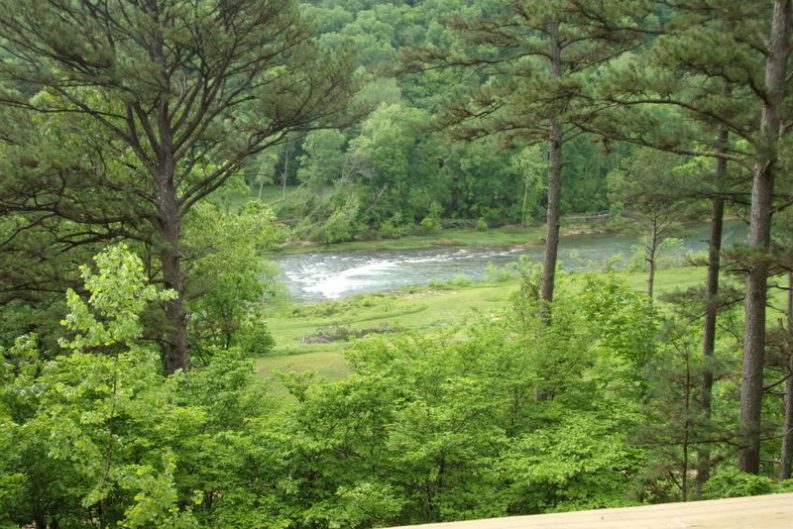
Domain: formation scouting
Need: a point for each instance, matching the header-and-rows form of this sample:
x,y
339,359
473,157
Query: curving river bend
x,y
333,275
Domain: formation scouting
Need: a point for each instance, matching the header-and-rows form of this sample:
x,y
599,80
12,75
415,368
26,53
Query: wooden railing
x,y
758,512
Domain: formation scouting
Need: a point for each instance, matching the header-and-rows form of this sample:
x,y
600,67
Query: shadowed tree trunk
x,y
285,172
711,307
760,238
553,215
786,461
786,457
176,354
175,346
555,142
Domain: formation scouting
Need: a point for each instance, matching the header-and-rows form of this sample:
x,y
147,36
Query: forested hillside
x,y
156,154
400,170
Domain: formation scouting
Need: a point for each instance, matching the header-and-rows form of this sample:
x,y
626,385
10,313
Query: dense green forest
x,y
154,154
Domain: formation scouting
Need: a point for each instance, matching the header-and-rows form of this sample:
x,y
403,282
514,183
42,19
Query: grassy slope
x,y
410,311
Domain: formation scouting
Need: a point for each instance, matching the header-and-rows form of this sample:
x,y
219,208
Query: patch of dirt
x,y
344,334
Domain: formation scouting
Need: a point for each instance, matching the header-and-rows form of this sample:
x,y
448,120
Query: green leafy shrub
x,y
342,225
499,274
432,222
393,227
229,280
731,483
106,439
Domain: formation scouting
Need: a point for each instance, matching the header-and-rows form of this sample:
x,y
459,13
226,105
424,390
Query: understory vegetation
x,y
489,415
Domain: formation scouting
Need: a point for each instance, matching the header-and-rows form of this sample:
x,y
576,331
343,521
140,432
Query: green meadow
x,y
314,337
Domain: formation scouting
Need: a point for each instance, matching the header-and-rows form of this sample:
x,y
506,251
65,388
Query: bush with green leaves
x,y
97,436
394,227
432,221
730,482
82,441
229,280
505,415
342,225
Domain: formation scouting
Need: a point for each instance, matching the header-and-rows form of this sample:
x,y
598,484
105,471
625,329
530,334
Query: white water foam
x,y
335,276
334,285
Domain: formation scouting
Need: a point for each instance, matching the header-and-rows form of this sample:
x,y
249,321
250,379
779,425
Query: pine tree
x,y
721,77
168,98
537,60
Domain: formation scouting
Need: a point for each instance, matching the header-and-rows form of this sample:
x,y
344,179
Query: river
x,y
333,275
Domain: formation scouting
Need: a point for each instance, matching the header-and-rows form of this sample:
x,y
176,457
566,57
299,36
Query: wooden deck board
x,y
773,511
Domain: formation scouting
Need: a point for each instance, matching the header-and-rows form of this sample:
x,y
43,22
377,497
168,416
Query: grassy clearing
x,y
412,310
329,364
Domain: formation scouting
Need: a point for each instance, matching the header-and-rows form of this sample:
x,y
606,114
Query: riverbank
x,y
505,236
337,273
454,284
315,337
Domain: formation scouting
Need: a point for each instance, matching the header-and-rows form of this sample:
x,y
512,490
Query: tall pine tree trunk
x,y
760,237
525,201
786,460
175,347
786,457
553,221
684,486
554,213
711,307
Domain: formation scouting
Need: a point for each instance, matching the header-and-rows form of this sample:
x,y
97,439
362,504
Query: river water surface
x,y
333,275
